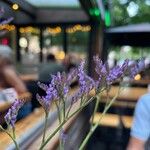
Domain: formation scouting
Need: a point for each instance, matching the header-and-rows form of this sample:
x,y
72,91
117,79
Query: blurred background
x,y
73,30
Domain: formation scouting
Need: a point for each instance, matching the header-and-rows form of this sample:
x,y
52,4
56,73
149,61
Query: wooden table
x,y
29,77
5,105
26,127
113,120
130,94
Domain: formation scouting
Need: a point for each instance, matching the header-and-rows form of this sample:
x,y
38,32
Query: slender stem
x,y
81,101
16,145
60,126
13,131
95,109
64,109
69,110
45,127
97,124
58,112
61,145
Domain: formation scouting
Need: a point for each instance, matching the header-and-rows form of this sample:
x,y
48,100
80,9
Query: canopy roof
x,y
134,35
55,3
136,28
52,11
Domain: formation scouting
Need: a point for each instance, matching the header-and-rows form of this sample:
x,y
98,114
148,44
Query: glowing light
x,y
29,30
15,6
78,27
60,55
137,77
55,30
107,18
23,42
7,27
94,12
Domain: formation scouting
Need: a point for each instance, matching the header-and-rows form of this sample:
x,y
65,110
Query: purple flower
x,y
56,90
42,86
12,113
117,73
46,103
51,94
135,68
76,97
107,76
72,76
63,136
86,83
1,11
6,21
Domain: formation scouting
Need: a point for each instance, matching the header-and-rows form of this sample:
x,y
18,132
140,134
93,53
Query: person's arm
x,y
136,144
13,80
140,131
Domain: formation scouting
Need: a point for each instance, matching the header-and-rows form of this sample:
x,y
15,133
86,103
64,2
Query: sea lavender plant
x,y
11,118
57,93
12,113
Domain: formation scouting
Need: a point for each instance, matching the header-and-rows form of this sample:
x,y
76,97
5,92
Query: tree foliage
x,y
120,11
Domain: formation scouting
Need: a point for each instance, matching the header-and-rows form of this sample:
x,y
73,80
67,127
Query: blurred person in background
x,y
8,75
140,131
10,79
50,68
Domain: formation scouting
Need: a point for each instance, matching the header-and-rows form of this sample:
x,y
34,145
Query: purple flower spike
x,y
46,103
63,136
12,113
86,83
42,86
117,72
136,68
1,11
141,65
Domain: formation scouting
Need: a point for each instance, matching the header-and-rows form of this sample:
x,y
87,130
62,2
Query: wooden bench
x,y
113,120
22,127
129,94
5,105
28,134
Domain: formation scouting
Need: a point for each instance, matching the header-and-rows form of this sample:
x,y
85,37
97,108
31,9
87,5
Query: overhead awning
x,y
134,35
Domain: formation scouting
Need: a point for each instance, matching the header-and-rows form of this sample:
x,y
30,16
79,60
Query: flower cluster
x,y
12,113
107,76
3,22
51,94
57,89
135,68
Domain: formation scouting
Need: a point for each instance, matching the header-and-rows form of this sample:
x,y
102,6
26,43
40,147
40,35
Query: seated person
x,y
140,132
9,77
50,68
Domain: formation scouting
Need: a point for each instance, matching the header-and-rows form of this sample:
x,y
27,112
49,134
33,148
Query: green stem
x,y
60,126
13,131
45,127
95,109
58,112
69,110
16,145
64,109
97,124
61,145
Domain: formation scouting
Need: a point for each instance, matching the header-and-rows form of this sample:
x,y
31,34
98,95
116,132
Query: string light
x,y
78,27
54,31
137,77
15,6
29,30
7,27
58,29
